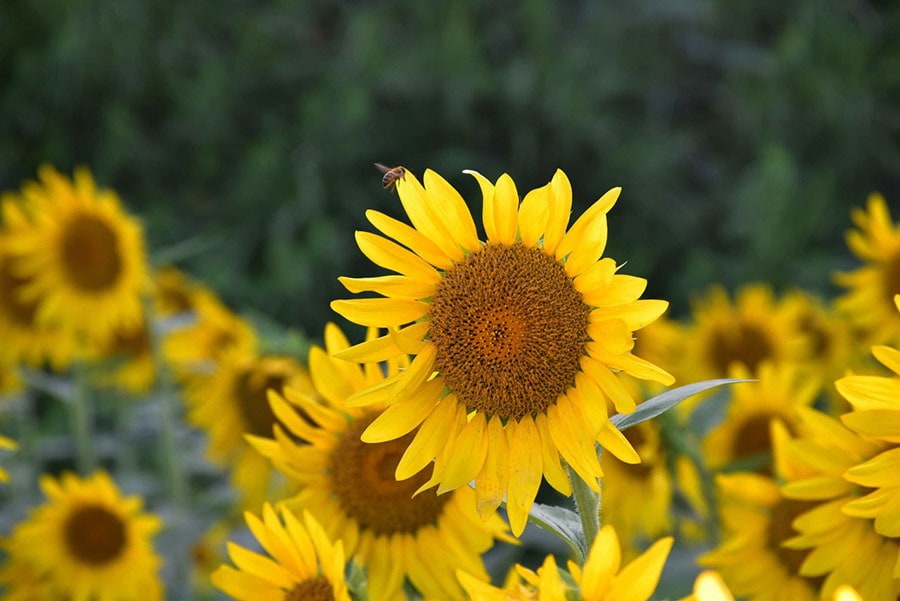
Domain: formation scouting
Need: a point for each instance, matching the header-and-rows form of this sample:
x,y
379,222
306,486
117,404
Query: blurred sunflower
x,y
518,342
88,542
709,586
350,487
82,260
10,381
869,299
743,438
302,563
24,339
233,402
20,582
10,445
876,415
844,549
637,498
756,521
754,328
124,360
600,579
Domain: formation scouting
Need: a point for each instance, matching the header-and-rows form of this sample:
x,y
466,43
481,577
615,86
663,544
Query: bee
x,y
391,175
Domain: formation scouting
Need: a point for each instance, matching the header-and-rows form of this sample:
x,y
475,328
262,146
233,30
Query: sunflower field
x,y
618,319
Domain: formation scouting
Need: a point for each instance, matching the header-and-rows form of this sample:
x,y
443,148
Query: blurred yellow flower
x,y
10,445
349,485
518,341
87,542
302,563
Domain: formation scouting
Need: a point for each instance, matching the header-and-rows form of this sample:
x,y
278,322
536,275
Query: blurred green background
x,y
742,132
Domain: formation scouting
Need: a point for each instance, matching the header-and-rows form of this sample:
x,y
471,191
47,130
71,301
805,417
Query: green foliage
x,y
741,132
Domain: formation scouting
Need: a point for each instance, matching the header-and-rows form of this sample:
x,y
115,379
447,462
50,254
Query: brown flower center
x,y
314,589
891,279
19,311
510,330
91,253
94,535
746,343
251,391
362,475
131,343
782,515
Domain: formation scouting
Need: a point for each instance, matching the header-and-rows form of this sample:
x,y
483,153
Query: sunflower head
x,y
519,341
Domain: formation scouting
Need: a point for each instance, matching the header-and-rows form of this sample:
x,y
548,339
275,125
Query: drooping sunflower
x,y
302,563
743,436
600,579
843,548
869,299
82,261
349,485
753,328
518,341
24,339
876,415
756,521
233,402
89,542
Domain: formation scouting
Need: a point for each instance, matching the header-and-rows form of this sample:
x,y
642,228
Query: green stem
x,y
587,504
83,425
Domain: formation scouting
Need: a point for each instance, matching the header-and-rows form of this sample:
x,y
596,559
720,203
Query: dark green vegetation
x,y
741,132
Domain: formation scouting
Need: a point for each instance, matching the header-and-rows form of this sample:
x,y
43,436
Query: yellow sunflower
x,y
350,487
753,328
518,342
20,582
743,435
637,498
10,445
232,402
870,289
876,415
756,521
844,549
600,579
82,260
302,564
25,340
88,542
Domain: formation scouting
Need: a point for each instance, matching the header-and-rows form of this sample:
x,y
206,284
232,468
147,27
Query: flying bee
x,y
391,175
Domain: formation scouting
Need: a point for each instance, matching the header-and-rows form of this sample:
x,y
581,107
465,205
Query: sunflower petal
x,y
380,312
491,482
525,473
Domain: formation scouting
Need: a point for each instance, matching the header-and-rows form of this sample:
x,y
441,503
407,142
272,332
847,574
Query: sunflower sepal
x,y
564,523
661,403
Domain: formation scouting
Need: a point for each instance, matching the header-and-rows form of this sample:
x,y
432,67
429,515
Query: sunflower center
x,y
746,344
253,400
819,338
13,307
91,253
94,535
780,519
510,329
314,589
753,439
130,343
362,475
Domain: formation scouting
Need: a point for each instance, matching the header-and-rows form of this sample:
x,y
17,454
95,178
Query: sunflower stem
x,y
587,504
82,424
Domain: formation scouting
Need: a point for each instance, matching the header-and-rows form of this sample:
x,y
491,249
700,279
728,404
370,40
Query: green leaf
x,y
665,401
562,522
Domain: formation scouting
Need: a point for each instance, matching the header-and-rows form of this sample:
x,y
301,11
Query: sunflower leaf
x,y
665,401
562,522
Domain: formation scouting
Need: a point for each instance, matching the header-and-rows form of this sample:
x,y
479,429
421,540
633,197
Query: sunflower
x,y
302,563
869,299
600,579
10,445
19,581
350,487
125,360
637,498
753,328
232,402
82,260
743,435
25,340
843,548
88,542
518,341
756,520
876,415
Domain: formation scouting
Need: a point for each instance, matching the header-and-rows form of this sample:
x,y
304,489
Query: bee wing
x,y
381,167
